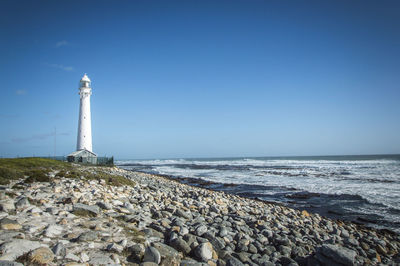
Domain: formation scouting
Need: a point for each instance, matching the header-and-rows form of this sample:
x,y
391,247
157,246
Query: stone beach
x,y
157,221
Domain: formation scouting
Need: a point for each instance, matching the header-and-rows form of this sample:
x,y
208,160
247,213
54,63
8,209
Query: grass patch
x,y
69,174
7,174
37,170
98,174
84,213
37,175
13,169
32,162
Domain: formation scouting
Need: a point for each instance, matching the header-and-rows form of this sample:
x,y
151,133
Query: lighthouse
x,y
84,141
84,153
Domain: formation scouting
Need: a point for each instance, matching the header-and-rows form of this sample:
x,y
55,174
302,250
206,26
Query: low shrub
x,y
37,176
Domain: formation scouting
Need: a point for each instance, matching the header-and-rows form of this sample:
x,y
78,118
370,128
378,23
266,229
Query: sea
x,y
363,189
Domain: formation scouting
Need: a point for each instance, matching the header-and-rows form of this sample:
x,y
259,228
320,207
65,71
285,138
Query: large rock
x,y
88,236
17,247
335,254
86,210
59,249
204,251
152,255
180,245
41,256
200,230
169,255
100,258
22,203
104,205
137,252
8,224
7,205
53,230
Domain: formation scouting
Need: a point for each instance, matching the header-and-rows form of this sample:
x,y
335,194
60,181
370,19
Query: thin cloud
x,y
20,92
62,43
37,137
62,67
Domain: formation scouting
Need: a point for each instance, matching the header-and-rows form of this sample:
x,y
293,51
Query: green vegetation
x,y
113,180
6,174
37,175
34,168
29,163
84,213
37,170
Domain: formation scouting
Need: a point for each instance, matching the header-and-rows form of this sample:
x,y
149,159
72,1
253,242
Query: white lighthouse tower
x,y
85,125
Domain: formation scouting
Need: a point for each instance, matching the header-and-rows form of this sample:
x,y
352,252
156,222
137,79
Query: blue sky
x,y
202,78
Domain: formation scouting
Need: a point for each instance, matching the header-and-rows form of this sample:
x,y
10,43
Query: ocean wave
x,y
376,180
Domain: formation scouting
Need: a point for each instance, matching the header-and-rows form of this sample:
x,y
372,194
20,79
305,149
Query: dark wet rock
x,y
335,254
180,245
234,262
286,261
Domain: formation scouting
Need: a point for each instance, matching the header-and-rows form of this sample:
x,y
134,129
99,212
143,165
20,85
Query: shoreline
x,y
324,212
159,221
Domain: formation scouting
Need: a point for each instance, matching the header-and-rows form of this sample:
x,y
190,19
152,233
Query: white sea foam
x,y
376,180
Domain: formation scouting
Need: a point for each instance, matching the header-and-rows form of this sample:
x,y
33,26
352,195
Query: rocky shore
x,y
156,221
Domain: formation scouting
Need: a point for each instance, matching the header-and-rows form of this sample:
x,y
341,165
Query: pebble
x,y
160,221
